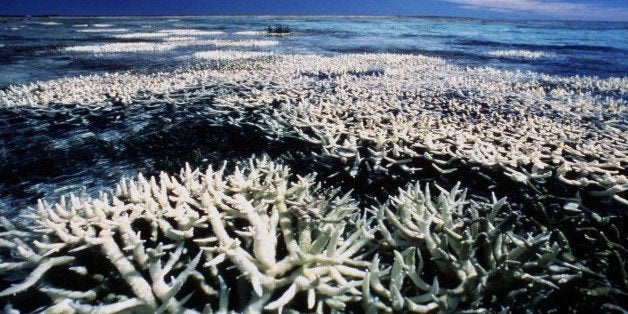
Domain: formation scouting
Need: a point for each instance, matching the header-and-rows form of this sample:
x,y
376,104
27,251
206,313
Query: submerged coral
x,y
230,55
158,236
260,238
555,146
124,47
473,252
369,113
520,54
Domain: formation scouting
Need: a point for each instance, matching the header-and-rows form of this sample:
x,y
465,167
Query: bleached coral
x,y
189,32
261,238
47,23
103,30
171,32
237,43
123,47
370,114
197,236
143,35
472,251
250,33
520,54
170,43
230,55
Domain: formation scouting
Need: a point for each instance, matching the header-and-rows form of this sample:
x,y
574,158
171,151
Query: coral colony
x,y
408,185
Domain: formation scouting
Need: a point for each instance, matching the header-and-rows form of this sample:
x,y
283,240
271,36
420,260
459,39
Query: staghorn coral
x,y
369,114
376,121
451,252
561,140
171,239
258,239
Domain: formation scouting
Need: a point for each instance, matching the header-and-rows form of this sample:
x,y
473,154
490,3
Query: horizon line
x,y
56,15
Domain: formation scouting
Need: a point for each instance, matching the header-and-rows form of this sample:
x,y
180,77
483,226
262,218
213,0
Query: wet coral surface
x,y
358,182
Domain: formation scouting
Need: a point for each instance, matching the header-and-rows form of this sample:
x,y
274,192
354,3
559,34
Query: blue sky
x,y
515,9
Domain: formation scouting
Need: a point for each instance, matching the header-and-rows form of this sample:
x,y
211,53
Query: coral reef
x,y
230,55
190,32
250,33
144,35
124,47
167,32
520,54
476,252
103,30
277,233
367,125
259,238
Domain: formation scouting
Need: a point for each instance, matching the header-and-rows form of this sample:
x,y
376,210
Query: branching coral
x,y
162,242
258,239
449,251
276,240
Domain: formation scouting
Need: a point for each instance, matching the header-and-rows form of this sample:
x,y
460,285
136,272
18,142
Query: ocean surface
x,y
50,152
37,49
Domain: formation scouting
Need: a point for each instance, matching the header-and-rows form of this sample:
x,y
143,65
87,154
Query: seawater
x,y
33,49
53,151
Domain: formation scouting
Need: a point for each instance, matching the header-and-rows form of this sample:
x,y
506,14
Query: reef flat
x,y
382,183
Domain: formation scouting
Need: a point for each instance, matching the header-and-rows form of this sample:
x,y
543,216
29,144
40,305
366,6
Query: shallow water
x,y
32,50
94,150
367,124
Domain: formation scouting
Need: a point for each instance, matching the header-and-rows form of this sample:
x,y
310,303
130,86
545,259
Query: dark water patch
x,y
580,47
355,49
569,25
103,64
423,35
497,44
11,53
404,50
100,39
478,42
411,35
323,33
116,62
10,38
93,147
600,69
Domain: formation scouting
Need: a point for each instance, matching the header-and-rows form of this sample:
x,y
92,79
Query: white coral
x,y
281,236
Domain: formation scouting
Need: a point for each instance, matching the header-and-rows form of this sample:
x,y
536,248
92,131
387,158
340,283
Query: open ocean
x,y
33,50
